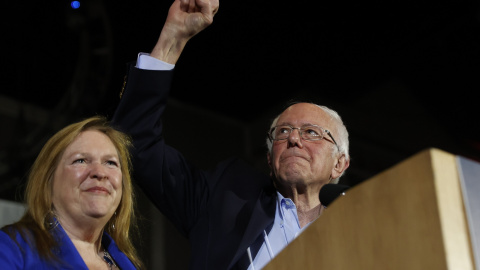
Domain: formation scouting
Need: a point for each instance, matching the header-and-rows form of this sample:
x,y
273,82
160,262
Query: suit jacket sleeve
x,y
222,211
175,187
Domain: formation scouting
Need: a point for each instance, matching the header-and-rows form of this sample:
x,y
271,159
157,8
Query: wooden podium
x,y
414,215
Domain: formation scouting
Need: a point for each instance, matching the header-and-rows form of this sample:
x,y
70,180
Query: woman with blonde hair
x,y
79,204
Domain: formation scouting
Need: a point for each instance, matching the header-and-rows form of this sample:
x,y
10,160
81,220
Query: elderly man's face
x,y
296,161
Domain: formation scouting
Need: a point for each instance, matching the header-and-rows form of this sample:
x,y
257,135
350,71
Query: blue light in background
x,y
75,4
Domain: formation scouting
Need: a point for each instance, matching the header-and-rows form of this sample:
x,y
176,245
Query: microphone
x,y
329,192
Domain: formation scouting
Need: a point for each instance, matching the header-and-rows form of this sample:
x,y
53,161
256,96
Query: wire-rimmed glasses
x,y
307,132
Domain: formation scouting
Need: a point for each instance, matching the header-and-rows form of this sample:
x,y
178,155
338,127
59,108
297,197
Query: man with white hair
x,y
233,216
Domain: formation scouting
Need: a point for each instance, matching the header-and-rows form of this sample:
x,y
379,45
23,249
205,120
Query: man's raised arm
x,y
185,19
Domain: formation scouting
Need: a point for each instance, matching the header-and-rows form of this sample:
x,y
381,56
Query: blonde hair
x,y
38,216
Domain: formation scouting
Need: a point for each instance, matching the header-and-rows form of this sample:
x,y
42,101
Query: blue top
x,y
12,257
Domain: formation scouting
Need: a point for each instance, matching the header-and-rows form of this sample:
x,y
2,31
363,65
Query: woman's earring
x,y
114,219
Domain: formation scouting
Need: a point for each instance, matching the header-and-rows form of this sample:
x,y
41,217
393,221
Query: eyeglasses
x,y
307,132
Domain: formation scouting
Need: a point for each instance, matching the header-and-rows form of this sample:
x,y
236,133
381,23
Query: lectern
x,y
421,214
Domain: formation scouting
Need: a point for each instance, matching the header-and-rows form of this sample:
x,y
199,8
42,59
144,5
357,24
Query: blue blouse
x,y
23,256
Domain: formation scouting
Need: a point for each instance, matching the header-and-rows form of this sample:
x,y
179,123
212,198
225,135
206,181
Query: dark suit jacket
x,y
221,211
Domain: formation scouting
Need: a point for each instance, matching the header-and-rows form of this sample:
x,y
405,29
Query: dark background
x,y
403,75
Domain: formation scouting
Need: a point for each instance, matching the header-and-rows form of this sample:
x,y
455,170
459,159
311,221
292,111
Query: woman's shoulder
x,y
12,234
13,246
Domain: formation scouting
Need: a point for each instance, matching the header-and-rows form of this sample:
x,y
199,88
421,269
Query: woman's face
x,y
87,183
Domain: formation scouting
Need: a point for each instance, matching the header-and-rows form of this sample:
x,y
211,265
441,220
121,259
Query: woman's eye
x,y
80,160
112,163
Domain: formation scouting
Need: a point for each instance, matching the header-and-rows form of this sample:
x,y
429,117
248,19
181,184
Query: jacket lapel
x,y
263,215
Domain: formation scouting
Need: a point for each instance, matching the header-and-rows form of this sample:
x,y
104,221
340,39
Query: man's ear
x,y
269,161
341,165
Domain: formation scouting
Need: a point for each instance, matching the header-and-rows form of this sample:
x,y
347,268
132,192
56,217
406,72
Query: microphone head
x,y
329,192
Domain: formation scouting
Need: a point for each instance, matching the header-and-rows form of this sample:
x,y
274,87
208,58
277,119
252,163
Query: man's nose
x,y
295,139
